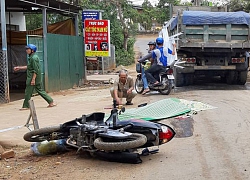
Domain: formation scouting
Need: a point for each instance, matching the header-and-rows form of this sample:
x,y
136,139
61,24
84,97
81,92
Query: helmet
x,y
31,46
159,40
151,43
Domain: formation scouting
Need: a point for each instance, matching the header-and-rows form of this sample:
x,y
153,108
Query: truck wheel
x,y
231,77
242,77
179,79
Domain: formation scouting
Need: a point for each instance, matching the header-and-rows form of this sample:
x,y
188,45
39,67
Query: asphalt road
x,y
219,147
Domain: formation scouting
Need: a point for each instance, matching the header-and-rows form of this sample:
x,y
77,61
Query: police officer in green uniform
x,y
33,80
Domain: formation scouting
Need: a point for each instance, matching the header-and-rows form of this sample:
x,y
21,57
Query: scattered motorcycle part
x,y
49,147
143,104
108,108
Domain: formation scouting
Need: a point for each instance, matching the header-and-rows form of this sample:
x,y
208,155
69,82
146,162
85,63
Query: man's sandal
x,y
145,91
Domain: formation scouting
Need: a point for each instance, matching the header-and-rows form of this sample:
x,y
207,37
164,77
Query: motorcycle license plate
x,y
170,76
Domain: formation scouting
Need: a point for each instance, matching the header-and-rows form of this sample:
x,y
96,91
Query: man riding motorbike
x,y
160,54
148,62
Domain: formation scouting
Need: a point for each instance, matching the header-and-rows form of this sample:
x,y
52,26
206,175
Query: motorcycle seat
x,y
164,72
96,116
161,73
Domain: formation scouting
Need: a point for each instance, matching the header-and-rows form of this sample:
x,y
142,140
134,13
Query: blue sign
x,y
94,15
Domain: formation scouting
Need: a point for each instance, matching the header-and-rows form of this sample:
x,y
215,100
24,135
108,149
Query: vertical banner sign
x,y
97,38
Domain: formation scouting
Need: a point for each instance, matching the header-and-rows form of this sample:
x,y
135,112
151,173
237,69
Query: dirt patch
x,y
25,165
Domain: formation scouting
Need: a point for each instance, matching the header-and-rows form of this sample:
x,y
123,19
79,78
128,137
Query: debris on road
x,y
158,110
165,108
6,154
183,126
51,147
196,106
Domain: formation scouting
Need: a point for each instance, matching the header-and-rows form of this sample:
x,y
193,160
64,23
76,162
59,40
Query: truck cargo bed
x,y
224,35
214,29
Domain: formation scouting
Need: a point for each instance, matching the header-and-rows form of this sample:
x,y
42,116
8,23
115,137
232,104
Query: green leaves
x,y
122,18
239,5
33,21
163,9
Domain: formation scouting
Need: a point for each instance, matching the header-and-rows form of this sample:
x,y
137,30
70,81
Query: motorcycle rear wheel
x,y
168,88
42,134
134,141
139,85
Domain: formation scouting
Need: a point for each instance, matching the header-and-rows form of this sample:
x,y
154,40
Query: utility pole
x,y
4,56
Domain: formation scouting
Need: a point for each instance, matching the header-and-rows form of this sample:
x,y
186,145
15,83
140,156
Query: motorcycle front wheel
x,y
108,144
43,134
139,85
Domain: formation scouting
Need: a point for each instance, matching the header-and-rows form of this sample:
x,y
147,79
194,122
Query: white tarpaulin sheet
x,y
168,43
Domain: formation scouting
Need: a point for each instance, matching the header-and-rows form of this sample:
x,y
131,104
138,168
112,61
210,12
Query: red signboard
x,y
97,37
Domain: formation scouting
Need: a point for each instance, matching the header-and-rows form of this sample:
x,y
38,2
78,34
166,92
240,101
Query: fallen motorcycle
x,y
112,140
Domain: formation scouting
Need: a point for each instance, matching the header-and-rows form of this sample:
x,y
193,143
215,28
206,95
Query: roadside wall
x,y
65,61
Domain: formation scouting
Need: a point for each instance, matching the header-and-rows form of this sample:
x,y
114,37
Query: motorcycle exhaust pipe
x,y
122,157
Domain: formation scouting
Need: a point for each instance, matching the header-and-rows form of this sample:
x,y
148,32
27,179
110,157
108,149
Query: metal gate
x,y
38,41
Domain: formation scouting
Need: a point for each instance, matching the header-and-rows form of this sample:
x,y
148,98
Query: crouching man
x,y
123,88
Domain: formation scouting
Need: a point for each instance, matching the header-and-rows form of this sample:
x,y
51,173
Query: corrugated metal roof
x,y
37,5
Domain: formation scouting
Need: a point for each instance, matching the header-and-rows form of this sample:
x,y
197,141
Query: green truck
x,y
214,43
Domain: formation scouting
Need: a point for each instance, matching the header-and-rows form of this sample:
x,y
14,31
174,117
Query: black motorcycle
x,y
165,78
110,139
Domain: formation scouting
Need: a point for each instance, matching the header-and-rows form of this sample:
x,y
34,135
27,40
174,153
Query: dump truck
x,y
213,43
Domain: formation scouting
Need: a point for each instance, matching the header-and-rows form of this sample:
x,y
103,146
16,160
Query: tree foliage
x,y
122,16
147,15
239,5
34,21
163,9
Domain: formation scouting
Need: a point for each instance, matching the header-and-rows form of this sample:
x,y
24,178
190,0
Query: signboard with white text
x,y
97,38
90,15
